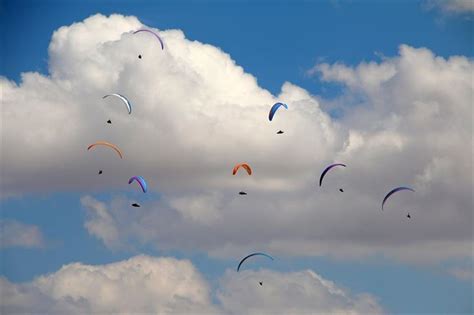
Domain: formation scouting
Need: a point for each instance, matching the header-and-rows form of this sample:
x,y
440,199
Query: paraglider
x,y
251,255
151,32
236,169
136,205
109,121
244,165
140,180
123,98
110,145
327,170
279,132
394,191
274,108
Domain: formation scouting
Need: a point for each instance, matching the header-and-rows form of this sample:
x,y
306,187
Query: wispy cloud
x,y
465,274
17,234
451,6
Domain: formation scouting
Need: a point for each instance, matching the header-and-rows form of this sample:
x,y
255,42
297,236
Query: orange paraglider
x,y
107,144
244,165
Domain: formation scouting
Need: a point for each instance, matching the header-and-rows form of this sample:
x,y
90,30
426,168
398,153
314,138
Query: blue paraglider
x,y
274,108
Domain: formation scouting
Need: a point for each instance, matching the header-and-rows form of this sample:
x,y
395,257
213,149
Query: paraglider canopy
x,y
107,144
391,192
327,170
251,255
151,32
123,99
279,132
136,205
274,108
243,193
244,165
109,121
140,180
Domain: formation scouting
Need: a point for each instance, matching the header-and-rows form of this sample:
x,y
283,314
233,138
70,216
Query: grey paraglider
x,y
156,35
123,99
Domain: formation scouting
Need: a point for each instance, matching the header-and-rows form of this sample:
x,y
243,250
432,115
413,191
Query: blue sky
x,y
276,42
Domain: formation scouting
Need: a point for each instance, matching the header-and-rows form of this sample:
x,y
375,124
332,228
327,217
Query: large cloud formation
x,y
406,120
149,285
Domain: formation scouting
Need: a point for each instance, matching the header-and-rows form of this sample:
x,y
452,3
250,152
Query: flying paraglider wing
x,y
394,191
110,145
140,180
244,165
251,255
124,99
327,170
274,108
156,35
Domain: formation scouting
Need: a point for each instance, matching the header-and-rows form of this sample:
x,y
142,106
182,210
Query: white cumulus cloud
x,y
148,285
302,292
406,120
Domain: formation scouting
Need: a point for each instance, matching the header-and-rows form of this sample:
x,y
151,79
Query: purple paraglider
x,y
394,191
151,32
140,180
251,255
327,170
